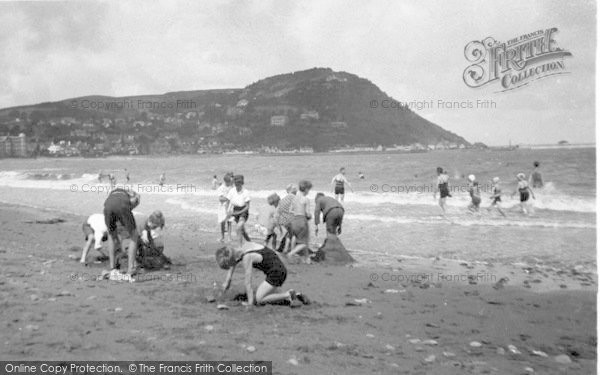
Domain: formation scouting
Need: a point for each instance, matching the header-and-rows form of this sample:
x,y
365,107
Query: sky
x,y
412,50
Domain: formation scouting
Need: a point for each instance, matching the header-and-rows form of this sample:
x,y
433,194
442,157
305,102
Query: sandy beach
x,y
421,316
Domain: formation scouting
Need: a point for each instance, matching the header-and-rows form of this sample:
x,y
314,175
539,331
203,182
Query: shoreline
x,y
53,308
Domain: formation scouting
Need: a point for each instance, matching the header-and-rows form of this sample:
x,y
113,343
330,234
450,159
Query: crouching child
x,y
255,256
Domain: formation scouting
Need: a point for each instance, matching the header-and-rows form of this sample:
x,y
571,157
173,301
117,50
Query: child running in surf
x,y
474,193
442,188
496,196
339,183
523,189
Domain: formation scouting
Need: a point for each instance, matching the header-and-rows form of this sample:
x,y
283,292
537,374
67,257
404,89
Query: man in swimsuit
x,y
118,207
253,255
339,182
442,187
523,189
474,193
496,196
333,214
535,179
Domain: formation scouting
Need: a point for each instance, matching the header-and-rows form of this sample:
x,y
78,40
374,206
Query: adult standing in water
x,y
339,183
535,178
442,188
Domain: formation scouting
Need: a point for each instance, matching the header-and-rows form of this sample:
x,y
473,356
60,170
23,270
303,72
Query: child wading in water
x,y
442,187
523,189
474,193
273,201
252,255
496,196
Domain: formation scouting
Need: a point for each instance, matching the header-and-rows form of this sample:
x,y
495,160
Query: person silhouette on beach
x,y
496,196
339,183
252,255
524,191
535,178
442,188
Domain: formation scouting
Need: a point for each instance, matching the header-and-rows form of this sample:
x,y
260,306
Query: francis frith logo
x,y
514,63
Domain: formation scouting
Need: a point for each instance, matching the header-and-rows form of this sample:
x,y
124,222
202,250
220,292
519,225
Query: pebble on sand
x,y
209,327
370,335
475,344
563,359
414,341
117,309
222,307
528,369
513,349
389,347
430,358
251,349
32,327
539,353
64,293
449,354
430,342
34,297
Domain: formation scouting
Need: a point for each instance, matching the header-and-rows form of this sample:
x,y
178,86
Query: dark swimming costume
x,y
271,266
536,178
524,194
444,192
238,216
117,208
339,187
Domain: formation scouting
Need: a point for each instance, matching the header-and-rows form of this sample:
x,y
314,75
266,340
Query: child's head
x,y
536,164
238,181
215,176
225,257
440,170
227,180
304,186
156,220
520,176
496,180
291,189
471,178
319,196
273,200
343,170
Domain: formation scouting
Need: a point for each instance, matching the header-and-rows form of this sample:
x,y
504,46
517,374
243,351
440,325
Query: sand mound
x,y
333,251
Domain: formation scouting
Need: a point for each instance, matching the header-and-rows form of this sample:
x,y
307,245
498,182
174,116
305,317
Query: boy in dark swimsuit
x,y
118,208
252,255
442,187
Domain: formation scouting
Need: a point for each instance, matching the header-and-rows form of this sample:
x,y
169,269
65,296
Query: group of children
x,y
523,188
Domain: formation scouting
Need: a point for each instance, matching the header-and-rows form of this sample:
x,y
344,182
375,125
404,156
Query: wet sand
x,y
420,316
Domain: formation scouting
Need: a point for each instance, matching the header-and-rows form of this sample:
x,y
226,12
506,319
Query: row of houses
x,y
14,146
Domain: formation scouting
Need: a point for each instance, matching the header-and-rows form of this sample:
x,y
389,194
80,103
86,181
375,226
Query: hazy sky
x,y
412,50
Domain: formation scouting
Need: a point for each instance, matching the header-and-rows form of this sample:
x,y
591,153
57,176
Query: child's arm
x,y
532,195
227,282
248,278
86,248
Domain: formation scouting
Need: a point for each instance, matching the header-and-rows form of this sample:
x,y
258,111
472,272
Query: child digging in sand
x,y
252,255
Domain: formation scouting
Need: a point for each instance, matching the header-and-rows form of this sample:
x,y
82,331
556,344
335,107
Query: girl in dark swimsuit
x,y
524,190
496,196
252,255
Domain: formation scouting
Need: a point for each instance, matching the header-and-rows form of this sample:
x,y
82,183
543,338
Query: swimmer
x,y
339,183
474,193
442,187
535,178
496,196
523,189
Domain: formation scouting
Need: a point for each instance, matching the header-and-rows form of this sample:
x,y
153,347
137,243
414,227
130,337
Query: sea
x,y
390,214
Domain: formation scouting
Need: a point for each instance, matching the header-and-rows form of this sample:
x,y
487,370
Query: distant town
x,y
155,134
